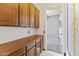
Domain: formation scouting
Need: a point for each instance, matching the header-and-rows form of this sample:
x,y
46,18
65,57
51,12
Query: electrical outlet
x,y
28,31
44,31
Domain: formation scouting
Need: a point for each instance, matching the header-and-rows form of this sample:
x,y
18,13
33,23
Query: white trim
x,y
52,12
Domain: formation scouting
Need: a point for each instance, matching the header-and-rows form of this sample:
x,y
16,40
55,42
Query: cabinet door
x,y
31,52
32,15
42,44
9,14
37,18
24,14
38,48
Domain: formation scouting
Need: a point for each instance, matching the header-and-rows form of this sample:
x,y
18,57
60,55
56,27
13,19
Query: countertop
x,y
12,46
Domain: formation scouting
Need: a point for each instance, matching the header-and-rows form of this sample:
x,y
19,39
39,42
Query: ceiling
x,y
45,6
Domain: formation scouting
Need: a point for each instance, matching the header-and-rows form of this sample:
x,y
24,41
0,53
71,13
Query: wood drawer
x,y
38,48
31,52
20,52
30,45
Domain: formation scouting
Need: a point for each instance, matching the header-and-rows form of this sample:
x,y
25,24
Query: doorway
x,y
53,37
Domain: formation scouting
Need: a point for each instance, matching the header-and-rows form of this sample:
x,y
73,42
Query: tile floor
x,y
49,53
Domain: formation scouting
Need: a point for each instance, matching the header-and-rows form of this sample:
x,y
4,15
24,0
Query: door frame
x,y
46,27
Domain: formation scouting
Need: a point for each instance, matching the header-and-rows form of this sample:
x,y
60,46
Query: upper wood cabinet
x,y
24,14
8,14
21,15
37,21
32,15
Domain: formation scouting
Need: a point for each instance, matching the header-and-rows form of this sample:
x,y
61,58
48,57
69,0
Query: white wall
x,y
70,40
77,29
70,29
12,33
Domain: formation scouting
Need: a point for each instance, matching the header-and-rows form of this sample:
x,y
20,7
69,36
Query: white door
x,y
53,40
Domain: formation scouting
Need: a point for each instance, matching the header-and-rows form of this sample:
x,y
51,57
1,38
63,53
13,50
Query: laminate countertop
x,y
12,46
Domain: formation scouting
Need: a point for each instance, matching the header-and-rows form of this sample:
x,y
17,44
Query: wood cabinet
x,y
38,46
21,15
8,14
31,52
42,44
30,49
32,15
37,21
29,15
24,14
19,52
31,46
